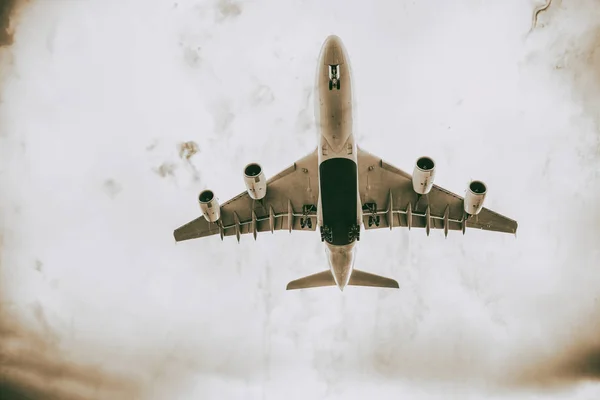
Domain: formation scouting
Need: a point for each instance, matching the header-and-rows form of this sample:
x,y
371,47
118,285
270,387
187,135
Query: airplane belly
x,y
339,207
335,110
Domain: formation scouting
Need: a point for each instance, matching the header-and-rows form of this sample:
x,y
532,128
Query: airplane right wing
x,y
291,198
388,197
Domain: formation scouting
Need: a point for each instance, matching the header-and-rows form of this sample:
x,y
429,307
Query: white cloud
x,y
100,96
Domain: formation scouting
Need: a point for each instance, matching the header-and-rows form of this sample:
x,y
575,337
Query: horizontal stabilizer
x,y
361,278
311,281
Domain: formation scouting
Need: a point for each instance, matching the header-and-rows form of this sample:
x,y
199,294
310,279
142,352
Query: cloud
x,y
90,130
33,366
7,9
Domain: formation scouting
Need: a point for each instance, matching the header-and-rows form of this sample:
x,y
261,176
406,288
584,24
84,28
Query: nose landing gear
x,y
334,77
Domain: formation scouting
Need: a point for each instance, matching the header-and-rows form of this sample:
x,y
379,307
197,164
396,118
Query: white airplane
x,y
339,187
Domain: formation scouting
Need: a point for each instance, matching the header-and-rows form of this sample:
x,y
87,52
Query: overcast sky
x,y
98,301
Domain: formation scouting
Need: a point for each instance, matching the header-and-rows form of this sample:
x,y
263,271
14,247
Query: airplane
x,y
340,188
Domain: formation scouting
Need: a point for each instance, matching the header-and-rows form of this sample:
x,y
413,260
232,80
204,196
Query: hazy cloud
x,y
135,316
7,9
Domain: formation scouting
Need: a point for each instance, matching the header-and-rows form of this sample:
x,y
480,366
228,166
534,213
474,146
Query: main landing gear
x,y
334,77
372,209
354,233
326,234
306,221
373,220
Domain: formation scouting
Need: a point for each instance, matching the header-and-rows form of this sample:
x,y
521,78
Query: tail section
x,y
316,280
358,278
361,278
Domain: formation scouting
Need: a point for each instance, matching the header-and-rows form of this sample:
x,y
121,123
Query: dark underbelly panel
x,y
338,197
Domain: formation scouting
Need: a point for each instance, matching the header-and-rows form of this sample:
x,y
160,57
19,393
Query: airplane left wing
x,y
292,196
389,200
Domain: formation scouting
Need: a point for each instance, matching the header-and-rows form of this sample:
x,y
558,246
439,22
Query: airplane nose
x,y
333,40
333,51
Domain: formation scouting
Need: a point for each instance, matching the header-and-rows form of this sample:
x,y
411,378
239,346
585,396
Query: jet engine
x,y
209,205
423,175
474,197
255,181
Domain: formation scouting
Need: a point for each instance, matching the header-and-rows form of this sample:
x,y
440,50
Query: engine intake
x,y
209,205
423,175
474,197
255,180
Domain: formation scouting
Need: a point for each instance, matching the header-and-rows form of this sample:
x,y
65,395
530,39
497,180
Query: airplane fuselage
x,y
339,211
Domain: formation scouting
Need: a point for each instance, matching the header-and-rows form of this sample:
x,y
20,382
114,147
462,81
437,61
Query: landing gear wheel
x,y
306,222
354,233
330,85
373,220
326,234
338,85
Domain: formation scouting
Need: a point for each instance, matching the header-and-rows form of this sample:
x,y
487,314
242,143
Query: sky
x,y
97,301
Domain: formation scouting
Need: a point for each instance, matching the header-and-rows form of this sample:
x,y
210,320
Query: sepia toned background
x,y
98,302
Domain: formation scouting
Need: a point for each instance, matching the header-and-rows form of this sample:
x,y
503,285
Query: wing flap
x,y
486,220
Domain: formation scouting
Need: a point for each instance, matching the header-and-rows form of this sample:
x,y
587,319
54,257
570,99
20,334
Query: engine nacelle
x,y
209,205
423,175
474,197
255,181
